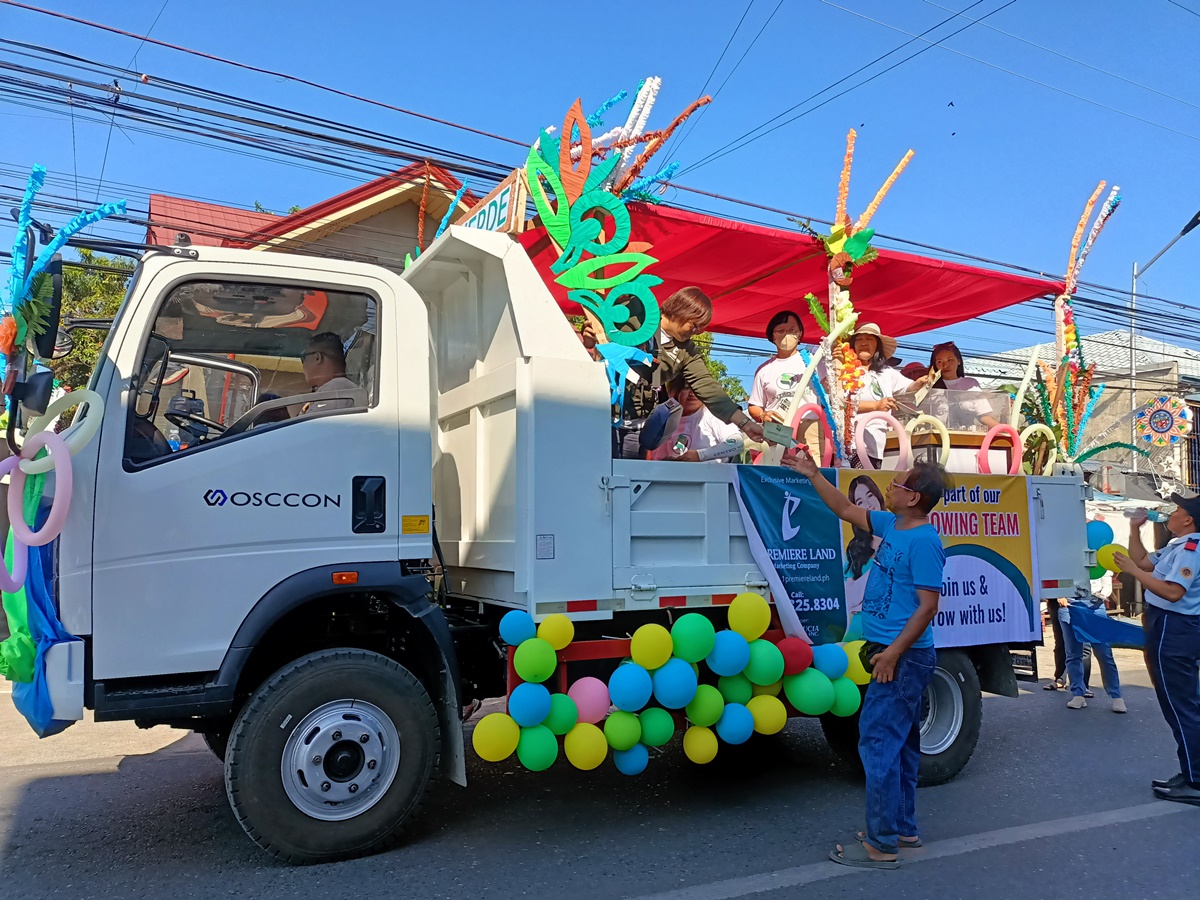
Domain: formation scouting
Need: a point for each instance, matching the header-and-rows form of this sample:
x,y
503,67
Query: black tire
x,y
841,732
951,717
367,694
216,741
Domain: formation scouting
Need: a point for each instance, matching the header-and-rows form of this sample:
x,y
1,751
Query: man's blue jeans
x,y
889,743
1102,652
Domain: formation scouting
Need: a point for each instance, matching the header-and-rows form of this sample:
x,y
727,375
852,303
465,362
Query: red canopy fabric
x,y
751,272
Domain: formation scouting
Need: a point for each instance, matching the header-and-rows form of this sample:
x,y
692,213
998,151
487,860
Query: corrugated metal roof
x,y
208,224
1109,350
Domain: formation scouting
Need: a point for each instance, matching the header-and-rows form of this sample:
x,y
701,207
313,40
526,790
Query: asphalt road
x,y
1055,804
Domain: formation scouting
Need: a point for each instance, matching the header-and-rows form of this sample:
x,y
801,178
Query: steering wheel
x,y
180,420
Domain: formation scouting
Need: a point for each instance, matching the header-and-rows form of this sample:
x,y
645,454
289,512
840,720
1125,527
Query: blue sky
x,y
1003,173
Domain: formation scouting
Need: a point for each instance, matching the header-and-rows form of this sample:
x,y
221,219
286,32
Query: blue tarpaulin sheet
x,y
1094,627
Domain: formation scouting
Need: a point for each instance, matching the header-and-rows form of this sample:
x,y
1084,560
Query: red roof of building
x,y
751,272
279,226
207,224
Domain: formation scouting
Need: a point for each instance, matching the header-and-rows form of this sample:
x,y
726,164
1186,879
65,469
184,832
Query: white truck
x,y
268,578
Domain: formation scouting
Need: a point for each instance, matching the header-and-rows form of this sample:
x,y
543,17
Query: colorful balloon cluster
x,y
664,669
1100,538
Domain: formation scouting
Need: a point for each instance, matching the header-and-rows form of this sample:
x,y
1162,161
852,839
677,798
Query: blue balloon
x,y
736,724
1098,534
675,683
854,631
517,626
529,704
830,660
630,687
730,653
632,761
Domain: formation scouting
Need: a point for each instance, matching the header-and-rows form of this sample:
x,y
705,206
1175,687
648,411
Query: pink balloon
x,y
860,425
827,452
591,696
1018,449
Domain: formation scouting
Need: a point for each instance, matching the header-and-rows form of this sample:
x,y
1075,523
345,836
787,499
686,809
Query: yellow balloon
x,y
585,746
749,615
496,737
1104,556
651,646
556,630
855,671
768,690
700,744
769,714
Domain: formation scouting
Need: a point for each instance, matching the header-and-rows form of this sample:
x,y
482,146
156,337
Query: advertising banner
x,y
822,564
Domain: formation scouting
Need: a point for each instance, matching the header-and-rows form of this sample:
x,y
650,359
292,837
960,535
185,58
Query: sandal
x,y
1057,684
856,855
912,845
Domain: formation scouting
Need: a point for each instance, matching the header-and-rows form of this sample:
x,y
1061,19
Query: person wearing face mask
x,y
773,394
955,409
882,384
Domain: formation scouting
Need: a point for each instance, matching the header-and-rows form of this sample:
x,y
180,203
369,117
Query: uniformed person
x,y
1172,625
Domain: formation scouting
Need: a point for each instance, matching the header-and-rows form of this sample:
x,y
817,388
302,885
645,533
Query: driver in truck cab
x,y
324,365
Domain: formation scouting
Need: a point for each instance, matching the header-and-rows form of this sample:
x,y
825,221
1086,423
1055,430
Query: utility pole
x,y
1133,404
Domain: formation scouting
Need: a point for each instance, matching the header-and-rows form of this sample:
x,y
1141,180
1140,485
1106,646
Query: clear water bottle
x,y
1152,515
173,439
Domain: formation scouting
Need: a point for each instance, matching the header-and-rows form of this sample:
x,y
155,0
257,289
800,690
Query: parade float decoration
x,y
716,686
25,580
1063,392
580,186
847,247
1163,422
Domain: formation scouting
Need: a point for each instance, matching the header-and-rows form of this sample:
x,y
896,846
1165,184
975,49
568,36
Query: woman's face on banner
x,y
865,497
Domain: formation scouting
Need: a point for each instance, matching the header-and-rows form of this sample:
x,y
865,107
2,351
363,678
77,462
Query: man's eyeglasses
x,y
904,487
307,353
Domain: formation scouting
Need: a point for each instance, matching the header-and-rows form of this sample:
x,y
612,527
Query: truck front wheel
x,y
951,715
331,757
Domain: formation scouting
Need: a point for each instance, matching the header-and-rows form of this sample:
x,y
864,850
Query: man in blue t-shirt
x,y
899,607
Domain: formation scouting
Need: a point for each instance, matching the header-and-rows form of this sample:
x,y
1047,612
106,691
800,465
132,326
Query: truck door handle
x,y
369,504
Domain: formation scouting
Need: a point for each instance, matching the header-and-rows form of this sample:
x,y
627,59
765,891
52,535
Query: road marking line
x,y
787,878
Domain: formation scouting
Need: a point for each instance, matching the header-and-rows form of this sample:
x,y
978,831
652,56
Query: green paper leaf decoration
x,y
617,211
818,312
581,275
548,147
614,314
600,172
856,244
555,215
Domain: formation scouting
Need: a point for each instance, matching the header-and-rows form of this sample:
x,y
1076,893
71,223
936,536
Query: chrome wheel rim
x,y
942,713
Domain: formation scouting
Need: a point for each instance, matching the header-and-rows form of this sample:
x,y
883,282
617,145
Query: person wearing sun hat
x,y
1172,625
882,384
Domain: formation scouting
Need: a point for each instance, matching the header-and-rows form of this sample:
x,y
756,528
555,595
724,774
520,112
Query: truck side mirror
x,y
46,344
149,380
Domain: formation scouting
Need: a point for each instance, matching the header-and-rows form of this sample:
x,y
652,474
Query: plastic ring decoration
x,y
61,459
901,434
1018,449
1040,428
939,427
827,444
12,582
76,437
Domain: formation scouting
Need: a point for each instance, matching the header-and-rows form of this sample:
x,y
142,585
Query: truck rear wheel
x,y
951,715
331,757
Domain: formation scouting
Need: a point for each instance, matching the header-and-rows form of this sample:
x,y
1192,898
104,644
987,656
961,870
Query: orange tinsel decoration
x,y
8,334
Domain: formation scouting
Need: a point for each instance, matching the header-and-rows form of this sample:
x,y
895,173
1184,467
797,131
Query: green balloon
x,y
622,730
693,636
564,714
535,660
736,688
766,663
658,726
537,748
811,692
1096,572
846,697
706,707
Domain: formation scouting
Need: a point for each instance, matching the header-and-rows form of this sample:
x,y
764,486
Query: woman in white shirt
x,y
882,384
773,393
958,411
701,436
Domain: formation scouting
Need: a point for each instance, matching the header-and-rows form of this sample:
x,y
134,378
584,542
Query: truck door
x,y
202,508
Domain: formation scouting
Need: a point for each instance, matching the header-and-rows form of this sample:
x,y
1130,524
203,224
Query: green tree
x,y
89,294
733,386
